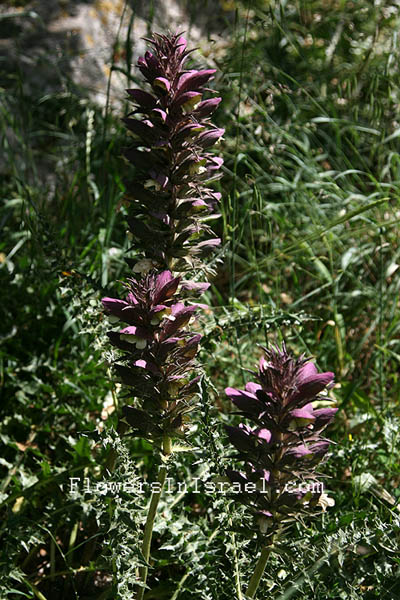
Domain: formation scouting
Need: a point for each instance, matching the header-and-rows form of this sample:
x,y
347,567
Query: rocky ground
x,y
51,45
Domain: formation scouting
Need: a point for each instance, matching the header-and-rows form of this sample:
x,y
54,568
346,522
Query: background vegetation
x,y
311,255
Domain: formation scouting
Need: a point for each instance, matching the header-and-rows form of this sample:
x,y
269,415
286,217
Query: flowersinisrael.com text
x,y
79,485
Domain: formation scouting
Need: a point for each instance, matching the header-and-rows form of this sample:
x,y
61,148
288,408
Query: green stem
x,y
180,585
148,529
35,590
237,572
258,572
112,455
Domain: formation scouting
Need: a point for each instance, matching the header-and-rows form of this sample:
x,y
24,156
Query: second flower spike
x,y
280,452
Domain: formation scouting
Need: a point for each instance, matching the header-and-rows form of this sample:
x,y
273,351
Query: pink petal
x,y
252,387
162,83
263,434
306,371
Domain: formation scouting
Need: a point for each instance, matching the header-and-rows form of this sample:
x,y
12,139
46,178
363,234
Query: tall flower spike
x,y
281,450
169,198
170,205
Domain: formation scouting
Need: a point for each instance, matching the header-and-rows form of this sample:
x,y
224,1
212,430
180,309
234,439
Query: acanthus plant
x,y
170,205
280,451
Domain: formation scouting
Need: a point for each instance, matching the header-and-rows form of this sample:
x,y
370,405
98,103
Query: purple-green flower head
x,y
172,136
159,352
285,439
